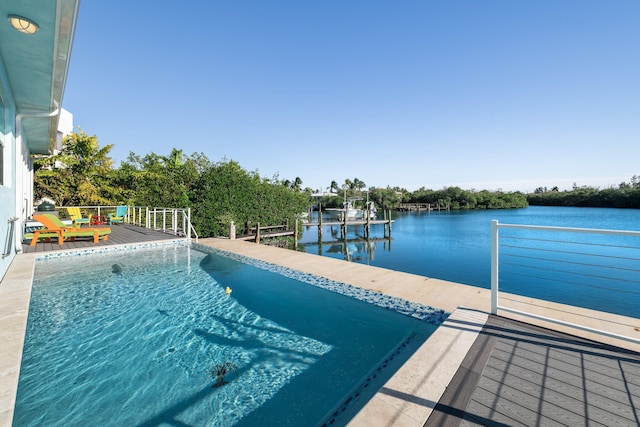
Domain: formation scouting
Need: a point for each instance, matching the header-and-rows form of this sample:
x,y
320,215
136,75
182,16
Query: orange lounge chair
x,y
52,225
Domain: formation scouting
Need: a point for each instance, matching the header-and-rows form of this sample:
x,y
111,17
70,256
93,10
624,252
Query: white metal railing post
x,y
174,220
494,267
148,215
190,228
188,225
184,224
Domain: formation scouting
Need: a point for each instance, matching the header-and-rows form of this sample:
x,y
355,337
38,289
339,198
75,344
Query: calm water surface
x,y
455,246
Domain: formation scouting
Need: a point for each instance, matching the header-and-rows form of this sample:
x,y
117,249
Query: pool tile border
x,y
421,312
107,249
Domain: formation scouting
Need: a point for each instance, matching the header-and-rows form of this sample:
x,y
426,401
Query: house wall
x,y
65,127
12,176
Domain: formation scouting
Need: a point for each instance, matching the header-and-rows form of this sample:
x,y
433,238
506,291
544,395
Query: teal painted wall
x,y
9,186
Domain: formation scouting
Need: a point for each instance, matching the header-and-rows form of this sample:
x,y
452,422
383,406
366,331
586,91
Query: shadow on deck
x,y
518,374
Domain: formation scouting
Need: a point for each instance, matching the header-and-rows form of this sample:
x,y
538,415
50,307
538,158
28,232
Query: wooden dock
x,y
419,207
366,223
257,232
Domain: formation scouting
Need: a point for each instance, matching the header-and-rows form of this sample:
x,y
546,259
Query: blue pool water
x,y
130,338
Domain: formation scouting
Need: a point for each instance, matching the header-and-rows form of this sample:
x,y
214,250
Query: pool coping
x,y
410,395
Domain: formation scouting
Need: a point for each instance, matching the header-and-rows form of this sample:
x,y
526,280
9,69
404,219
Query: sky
x,y
481,94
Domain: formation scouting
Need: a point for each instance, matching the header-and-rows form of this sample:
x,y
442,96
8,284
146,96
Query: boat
x,y
371,210
352,213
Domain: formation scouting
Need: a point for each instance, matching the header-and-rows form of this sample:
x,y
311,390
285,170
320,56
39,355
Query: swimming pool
x,y
130,338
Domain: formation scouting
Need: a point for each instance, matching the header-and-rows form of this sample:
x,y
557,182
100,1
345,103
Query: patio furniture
x,y
118,217
76,216
54,227
98,220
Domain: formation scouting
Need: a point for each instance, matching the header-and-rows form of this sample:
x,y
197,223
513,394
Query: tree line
x,y
82,174
454,198
626,195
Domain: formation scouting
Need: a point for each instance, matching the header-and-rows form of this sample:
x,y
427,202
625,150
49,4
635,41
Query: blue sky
x,y
483,94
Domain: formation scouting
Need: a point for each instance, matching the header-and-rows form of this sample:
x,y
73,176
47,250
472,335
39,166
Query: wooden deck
x,y
120,234
517,374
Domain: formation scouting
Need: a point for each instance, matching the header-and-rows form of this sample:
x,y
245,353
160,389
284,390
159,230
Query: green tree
x,y
161,181
226,192
79,175
358,184
297,184
385,198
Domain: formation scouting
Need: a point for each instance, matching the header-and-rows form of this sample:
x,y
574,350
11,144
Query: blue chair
x,y
118,217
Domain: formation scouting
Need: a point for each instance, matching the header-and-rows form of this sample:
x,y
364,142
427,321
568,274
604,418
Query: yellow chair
x,y
76,216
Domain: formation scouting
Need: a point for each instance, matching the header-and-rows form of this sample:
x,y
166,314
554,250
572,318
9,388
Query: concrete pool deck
x,y
410,396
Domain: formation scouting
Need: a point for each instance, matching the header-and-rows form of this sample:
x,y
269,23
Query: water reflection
x,y
351,244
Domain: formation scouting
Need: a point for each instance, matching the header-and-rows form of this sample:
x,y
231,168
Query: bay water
x,y
456,246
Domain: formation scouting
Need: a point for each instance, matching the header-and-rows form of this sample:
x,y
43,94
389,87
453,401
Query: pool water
x,y
131,338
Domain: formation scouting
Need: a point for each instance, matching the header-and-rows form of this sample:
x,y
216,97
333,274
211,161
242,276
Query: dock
x,y
344,224
419,207
257,232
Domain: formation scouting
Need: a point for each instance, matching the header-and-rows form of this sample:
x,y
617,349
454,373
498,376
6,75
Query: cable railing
x,y
168,220
589,268
174,220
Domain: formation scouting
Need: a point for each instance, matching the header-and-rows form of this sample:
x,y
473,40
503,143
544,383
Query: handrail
x,y
12,226
174,220
495,264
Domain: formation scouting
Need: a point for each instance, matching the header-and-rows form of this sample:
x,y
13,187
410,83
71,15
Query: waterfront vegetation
x,y
82,174
627,195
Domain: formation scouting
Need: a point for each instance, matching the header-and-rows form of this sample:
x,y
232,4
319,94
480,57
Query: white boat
x,y
351,212
371,210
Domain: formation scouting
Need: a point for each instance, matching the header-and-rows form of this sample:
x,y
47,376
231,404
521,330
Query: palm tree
x,y
297,184
358,184
348,184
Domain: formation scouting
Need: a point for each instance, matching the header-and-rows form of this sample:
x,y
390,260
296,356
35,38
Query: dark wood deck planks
x,y
120,234
535,376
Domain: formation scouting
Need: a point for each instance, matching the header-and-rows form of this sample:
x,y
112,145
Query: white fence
x,y
172,220
597,267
